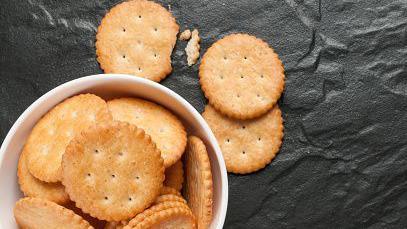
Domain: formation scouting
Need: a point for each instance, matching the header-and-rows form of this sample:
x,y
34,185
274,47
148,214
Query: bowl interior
x,y
106,86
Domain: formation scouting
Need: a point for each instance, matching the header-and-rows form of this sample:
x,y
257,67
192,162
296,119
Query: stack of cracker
x,y
89,163
243,78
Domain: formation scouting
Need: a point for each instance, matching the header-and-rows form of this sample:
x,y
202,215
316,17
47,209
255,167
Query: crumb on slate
x,y
186,35
193,47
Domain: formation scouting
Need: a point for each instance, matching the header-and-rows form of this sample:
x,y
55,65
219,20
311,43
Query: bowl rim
x,y
100,78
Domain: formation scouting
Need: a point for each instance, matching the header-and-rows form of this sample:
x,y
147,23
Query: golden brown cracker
x,y
137,37
248,145
170,197
165,129
198,184
241,76
39,213
156,208
50,136
169,218
112,171
174,176
32,187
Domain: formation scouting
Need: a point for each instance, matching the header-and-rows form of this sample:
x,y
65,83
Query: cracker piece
x,y
112,171
156,208
247,146
170,197
137,37
40,213
193,47
32,187
198,189
186,35
241,76
165,129
50,136
174,176
169,190
169,218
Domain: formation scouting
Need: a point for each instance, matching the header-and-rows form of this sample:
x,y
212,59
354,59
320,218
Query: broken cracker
x,y
165,129
198,189
39,213
241,76
32,187
50,136
113,171
137,37
192,49
247,145
174,176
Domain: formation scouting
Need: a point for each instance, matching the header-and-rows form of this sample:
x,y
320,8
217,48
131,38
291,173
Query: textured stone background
x,y
344,158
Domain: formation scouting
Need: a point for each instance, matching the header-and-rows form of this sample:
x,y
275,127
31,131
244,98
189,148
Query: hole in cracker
x,y
130,199
228,140
113,175
139,69
88,174
238,95
137,177
243,152
258,95
120,154
155,29
241,77
155,54
245,57
139,16
124,30
261,76
225,58
124,56
259,139
96,151
243,127
106,198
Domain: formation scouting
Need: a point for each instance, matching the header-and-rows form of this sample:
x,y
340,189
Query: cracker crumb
x,y
186,35
193,47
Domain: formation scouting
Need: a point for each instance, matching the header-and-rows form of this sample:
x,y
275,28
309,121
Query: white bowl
x,y
107,86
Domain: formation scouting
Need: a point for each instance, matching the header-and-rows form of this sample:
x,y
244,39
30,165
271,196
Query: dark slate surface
x,y
344,158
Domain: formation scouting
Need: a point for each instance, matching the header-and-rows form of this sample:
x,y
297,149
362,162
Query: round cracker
x,y
113,171
39,213
241,76
170,197
169,218
50,136
32,187
156,208
137,38
165,129
249,145
198,185
174,176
